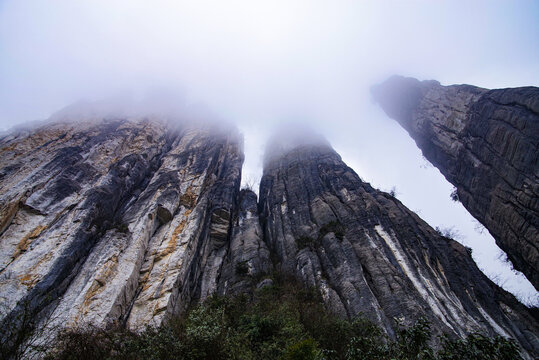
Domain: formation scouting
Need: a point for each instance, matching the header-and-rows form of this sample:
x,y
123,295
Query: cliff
x,y
369,254
486,143
120,221
126,222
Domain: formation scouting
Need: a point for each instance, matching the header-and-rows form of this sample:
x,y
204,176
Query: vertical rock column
x,y
486,143
248,257
114,221
64,184
369,254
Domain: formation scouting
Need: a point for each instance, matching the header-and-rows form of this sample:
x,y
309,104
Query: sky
x,y
262,64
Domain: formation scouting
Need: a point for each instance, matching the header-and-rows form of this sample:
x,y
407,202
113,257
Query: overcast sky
x,y
263,64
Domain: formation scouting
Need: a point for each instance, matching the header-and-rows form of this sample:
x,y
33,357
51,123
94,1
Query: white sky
x,y
264,63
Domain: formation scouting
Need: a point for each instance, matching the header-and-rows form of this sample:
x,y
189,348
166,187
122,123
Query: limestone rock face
x,y
114,221
486,143
369,254
127,221
248,256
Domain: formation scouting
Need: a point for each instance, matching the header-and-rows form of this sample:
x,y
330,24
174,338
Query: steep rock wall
x,y
248,257
115,221
369,254
486,143
128,221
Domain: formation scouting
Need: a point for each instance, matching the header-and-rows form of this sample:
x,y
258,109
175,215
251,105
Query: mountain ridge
x,y
129,222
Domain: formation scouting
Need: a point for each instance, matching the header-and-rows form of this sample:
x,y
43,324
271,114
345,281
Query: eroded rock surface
x,y
369,254
127,221
248,257
115,221
486,143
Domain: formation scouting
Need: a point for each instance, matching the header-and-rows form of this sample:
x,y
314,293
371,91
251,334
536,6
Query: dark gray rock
x,y
248,256
369,254
129,221
118,221
486,143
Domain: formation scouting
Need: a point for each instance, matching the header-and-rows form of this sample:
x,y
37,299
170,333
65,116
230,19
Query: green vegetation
x,y
449,232
282,321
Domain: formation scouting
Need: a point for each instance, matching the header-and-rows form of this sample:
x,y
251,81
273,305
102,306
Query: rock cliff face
x,y
121,221
369,254
486,143
129,221
248,256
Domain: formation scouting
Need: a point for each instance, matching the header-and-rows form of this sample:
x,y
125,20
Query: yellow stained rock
x,y
171,245
100,280
7,215
189,198
25,242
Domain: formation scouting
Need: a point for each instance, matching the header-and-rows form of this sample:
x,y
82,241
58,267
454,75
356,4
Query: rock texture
x,y
486,143
127,221
248,255
369,254
121,221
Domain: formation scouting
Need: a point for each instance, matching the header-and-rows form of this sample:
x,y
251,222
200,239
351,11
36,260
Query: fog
x,y
262,65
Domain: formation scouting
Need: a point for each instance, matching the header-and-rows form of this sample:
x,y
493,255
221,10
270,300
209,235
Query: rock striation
x,y
248,256
121,221
126,221
486,143
369,254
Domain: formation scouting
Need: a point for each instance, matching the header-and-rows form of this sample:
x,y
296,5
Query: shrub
x,y
454,195
449,232
477,346
412,342
284,321
204,332
302,350
20,335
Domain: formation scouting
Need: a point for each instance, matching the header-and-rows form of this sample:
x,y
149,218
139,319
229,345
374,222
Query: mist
x,y
263,65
